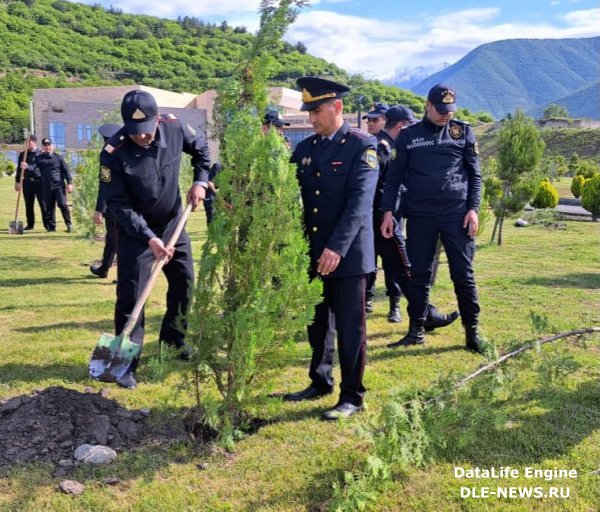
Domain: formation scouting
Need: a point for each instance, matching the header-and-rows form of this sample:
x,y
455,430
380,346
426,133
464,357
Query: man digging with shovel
x,y
139,177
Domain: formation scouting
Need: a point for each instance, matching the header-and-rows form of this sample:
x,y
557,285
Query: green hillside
x,y
56,43
504,76
559,141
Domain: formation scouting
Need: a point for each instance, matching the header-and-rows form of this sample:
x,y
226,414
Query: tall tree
x,y
253,295
555,111
519,152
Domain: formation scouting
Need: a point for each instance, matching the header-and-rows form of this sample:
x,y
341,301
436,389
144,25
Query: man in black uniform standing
x,y
337,171
101,214
375,123
392,251
57,182
139,177
31,183
437,160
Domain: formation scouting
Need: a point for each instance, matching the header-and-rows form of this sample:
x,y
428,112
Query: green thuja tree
x,y
253,297
590,196
546,195
577,185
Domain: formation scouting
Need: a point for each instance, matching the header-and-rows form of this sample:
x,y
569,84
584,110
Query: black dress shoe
x,y
343,410
475,343
441,320
98,271
310,393
368,306
27,228
415,336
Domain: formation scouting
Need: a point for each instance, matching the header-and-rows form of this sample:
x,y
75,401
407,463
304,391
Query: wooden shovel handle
x,y
22,180
141,300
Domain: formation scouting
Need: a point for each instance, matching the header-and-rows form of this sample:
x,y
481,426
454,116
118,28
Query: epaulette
x,y
359,133
458,121
112,145
312,140
168,117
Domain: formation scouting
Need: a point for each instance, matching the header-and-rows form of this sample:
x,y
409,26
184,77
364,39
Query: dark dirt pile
x,y
50,424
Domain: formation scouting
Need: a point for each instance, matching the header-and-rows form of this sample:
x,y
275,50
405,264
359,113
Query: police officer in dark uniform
x,y
31,183
57,182
101,214
337,172
392,251
375,123
139,177
437,160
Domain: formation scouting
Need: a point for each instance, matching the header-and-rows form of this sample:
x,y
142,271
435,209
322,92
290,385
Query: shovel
x,y
113,354
15,227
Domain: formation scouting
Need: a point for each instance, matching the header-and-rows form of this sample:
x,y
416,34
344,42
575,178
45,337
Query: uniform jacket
x,y
53,170
439,165
32,170
338,183
141,185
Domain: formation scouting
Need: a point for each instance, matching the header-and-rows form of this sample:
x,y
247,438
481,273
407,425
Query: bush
x,y
590,196
577,185
546,195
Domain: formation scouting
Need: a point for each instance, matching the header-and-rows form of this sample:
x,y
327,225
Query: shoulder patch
x,y
456,131
370,158
393,157
105,174
109,149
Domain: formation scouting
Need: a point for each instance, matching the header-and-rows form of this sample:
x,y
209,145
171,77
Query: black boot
x,y
394,316
415,336
474,341
435,319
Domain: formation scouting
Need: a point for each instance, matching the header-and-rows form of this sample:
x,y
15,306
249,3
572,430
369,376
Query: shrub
x,y
577,185
546,195
590,195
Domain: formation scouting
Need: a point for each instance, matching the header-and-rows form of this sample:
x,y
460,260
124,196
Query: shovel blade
x,y
15,227
103,354
124,356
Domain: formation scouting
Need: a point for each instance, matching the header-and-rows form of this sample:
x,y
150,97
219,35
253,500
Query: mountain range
x,y
527,74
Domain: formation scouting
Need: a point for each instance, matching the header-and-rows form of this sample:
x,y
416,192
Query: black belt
x,y
28,178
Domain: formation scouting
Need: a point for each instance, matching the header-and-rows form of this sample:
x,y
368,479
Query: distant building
x,y
70,116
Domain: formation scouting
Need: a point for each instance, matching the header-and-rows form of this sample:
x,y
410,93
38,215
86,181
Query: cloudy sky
x,y
379,37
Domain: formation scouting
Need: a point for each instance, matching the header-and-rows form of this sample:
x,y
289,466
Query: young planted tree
x,y
253,295
577,185
519,152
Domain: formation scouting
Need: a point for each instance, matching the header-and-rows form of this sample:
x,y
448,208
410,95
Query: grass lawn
x,y
52,312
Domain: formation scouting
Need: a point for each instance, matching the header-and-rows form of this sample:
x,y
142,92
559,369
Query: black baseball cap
x,y
379,109
443,98
139,111
108,130
46,141
273,117
400,113
316,91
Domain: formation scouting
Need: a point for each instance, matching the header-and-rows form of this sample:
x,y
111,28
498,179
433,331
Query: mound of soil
x,y
50,424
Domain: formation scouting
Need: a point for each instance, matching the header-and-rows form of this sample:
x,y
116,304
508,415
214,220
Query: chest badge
x,y
456,131
306,161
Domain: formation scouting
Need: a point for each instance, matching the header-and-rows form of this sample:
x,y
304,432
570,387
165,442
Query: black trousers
x,y
134,266
209,206
56,197
32,190
110,243
342,311
422,236
394,268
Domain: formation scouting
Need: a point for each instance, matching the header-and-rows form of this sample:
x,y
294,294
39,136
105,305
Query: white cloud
x,y
376,48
